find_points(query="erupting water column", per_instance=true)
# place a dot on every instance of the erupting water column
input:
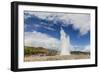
(65, 43)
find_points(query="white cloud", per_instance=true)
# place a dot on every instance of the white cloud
(79, 21)
(86, 49)
(42, 15)
(38, 39)
(27, 16)
(49, 28)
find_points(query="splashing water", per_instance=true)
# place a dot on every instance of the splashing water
(65, 43)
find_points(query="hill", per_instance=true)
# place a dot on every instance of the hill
(39, 51)
(43, 54)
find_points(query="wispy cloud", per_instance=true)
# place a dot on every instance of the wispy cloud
(49, 28)
(38, 39)
(79, 22)
(86, 49)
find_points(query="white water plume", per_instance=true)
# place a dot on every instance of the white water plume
(65, 43)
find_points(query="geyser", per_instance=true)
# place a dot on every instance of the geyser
(65, 45)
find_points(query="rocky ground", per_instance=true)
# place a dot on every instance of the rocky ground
(57, 57)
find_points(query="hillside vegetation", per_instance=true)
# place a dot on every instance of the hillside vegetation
(43, 54)
(39, 50)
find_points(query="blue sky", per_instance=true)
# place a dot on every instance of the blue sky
(77, 26)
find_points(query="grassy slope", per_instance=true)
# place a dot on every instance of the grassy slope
(29, 53)
(39, 50)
